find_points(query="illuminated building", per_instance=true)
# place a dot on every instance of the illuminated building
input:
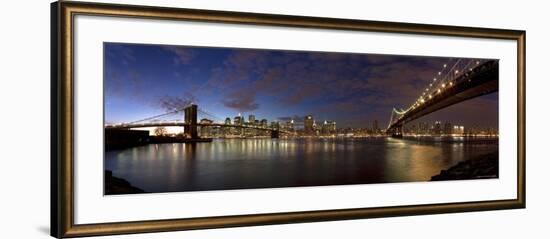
(437, 128)
(206, 131)
(289, 125)
(458, 129)
(447, 128)
(308, 125)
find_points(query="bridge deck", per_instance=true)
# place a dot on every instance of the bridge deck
(481, 81)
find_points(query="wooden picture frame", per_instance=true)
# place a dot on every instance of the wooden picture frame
(62, 118)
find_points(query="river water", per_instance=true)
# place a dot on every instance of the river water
(267, 163)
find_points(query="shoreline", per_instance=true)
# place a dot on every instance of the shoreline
(481, 167)
(115, 185)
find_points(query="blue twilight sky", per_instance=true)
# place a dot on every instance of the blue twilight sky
(351, 89)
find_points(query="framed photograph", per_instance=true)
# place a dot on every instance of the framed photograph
(170, 119)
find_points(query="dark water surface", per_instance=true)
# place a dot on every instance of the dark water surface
(266, 163)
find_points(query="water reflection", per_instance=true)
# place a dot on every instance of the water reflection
(261, 163)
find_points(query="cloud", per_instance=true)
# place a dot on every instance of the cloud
(291, 77)
(340, 85)
(117, 52)
(183, 55)
(242, 101)
(171, 103)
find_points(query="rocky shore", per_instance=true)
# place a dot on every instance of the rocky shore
(485, 166)
(114, 185)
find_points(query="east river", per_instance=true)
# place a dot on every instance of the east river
(267, 163)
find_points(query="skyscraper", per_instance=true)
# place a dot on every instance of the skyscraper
(437, 128)
(308, 124)
(263, 123)
(375, 128)
(448, 128)
(290, 125)
(227, 130)
(237, 120)
(206, 131)
(251, 119)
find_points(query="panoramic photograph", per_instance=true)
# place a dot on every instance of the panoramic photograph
(192, 118)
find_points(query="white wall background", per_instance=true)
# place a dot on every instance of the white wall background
(24, 92)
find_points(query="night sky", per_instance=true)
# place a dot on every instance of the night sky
(351, 89)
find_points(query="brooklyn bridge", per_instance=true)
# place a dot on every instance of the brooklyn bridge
(190, 123)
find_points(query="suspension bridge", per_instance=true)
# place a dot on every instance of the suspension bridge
(189, 123)
(460, 80)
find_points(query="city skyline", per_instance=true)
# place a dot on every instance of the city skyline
(352, 89)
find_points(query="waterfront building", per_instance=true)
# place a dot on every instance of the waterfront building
(290, 125)
(308, 125)
(238, 120)
(458, 129)
(205, 131)
(437, 128)
(447, 128)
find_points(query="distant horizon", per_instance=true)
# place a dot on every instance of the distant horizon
(354, 90)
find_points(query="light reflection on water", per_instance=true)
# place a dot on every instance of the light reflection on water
(265, 163)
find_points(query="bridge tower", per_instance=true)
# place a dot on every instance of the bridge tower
(274, 134)
(190, 118)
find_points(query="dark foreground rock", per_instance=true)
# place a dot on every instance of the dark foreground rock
(485, 166)
(114, 185)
